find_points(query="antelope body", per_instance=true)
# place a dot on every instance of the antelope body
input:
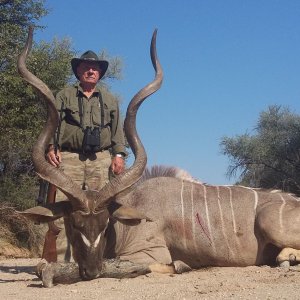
(174, 222)
(204, 225)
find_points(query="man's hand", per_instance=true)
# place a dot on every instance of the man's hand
(117, 165)
(52, 158)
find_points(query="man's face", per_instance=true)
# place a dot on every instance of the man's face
(88, 72)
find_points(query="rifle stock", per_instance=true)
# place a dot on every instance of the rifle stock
(41, 199)
(49, 250)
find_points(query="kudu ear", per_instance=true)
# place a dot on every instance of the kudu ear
(126, 215)
(48, 213)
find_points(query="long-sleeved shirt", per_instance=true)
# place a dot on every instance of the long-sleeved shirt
(71, 129)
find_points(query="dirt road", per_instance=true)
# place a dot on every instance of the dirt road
(18, 281)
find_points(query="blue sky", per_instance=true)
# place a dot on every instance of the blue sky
(224, 62)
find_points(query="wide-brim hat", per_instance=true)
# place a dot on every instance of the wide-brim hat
(89, 56)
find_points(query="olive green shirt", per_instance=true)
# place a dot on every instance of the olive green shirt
(71, 132)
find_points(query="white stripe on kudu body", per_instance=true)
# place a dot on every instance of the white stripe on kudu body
(223, 224)
(256, 199)
(281, 211)
(208, 219)
(182, 213)
(193, 218)
(237, 240)
(255, 195)
(232, 211)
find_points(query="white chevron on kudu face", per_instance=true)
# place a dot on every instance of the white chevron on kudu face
(88, 243)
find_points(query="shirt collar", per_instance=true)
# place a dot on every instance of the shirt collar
(80, 91)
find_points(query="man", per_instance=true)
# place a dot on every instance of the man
(85, 106)
(90, 141)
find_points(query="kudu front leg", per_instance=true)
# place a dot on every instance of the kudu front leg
(288, 256)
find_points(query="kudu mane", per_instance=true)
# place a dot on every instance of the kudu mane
(165, 171)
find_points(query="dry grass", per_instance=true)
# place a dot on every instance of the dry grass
(18, 233)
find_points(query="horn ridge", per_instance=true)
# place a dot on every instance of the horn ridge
(133, 174)
(42, 167)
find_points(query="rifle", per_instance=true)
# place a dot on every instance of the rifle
(41, 199)
(49, 249)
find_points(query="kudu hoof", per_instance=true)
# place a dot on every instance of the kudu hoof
(285, 264)
(181, 267)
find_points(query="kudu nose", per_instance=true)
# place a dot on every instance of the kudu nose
(89, 274)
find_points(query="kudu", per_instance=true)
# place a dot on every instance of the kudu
(87, 213)
(194, 224)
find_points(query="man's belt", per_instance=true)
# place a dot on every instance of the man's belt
(79, 151)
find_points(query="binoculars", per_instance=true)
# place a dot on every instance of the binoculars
(91, 140)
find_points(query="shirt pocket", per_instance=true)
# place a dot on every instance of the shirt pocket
(72, 115)
(96, 116)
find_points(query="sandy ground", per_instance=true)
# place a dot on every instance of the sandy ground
(18, 281)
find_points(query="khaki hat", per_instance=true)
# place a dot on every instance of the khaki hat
(89, 56)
